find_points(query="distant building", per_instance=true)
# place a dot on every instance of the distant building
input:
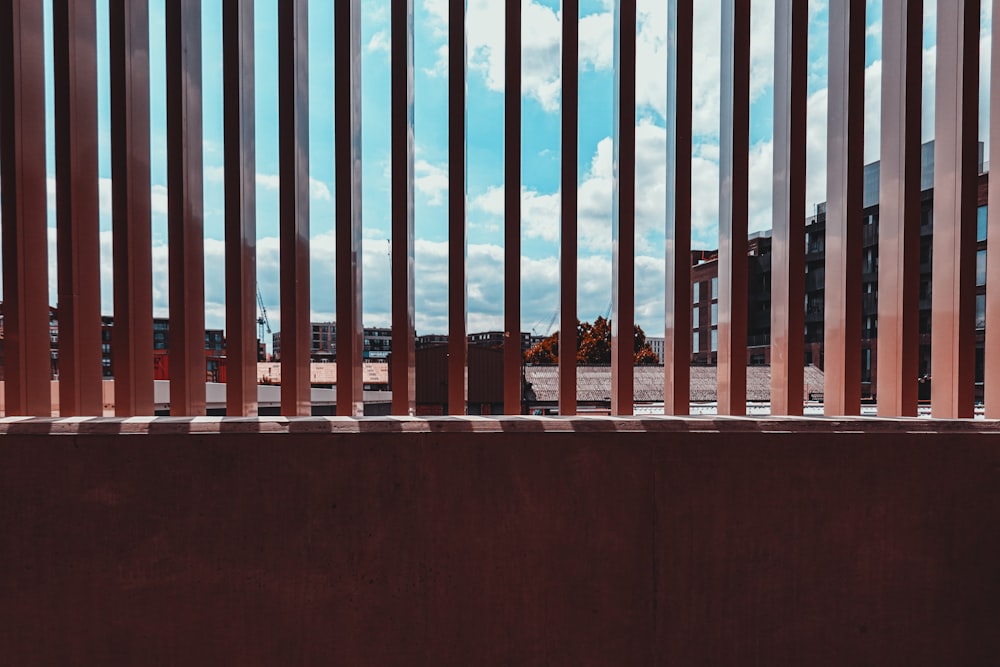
(377, 343)
(705, 271)
(658, 346)
(496, 339)
(430, 340)
(215, 348)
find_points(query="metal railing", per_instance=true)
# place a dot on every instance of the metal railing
(24, 244)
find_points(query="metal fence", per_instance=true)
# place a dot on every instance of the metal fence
(22, 134)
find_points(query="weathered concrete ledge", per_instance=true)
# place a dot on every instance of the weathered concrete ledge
(516, 424)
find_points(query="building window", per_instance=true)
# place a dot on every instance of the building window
(696, 295)
(715, 287)
(980, 311)
(715, 314)
(715, 340)
(696, 315)
(696, 341)
(981, 223)
(981, 267)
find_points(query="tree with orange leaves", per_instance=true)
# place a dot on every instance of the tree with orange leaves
(593, 346)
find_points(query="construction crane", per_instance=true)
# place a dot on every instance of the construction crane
(552, 322)
(262, 323)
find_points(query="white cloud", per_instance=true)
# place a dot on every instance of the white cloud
(158, 200)
(380, 43)
(431, 180)
(539, 282)
(318, 190)
(541, 36)
(540, 213)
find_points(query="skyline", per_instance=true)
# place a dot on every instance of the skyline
(540, 194)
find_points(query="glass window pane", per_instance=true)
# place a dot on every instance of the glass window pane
(981, 267)
(980, 311)
(981, 222)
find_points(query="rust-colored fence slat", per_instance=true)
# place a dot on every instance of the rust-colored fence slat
(241, 203)
(512, 353)
(734, 161)
(293, 129)
(23, 181)
(677, 292)
(74, 31)
(991, 386)
(132, 337)
(404, 383)
(185, 217)
(623, 213)
(347, 117)
(569, 205)
(458, 384)
(791, 73)
(953, 300)
(845, 170)
(899, 209)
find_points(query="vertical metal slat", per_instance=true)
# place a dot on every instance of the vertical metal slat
(845, 169)
(403, 302)
(132, 335)
(623, 213)
(74, 27)
(734, 156)
(185, 224)
(27, 364)
(512, 353)
(568, 192)
(953, 300)
(899, 209)
(677, 292)
(992, 353)
(788, 238)
(241, 203)
(293, 128)
(457, 298)
(347, 116)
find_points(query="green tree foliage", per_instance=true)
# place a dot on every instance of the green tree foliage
(593, 346)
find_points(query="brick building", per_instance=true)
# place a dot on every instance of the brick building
(704, 279)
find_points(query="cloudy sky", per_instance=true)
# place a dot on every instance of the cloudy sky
(540, 193)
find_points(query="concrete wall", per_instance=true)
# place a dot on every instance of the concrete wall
(490, 542)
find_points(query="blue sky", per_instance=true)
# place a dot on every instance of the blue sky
(541, 148)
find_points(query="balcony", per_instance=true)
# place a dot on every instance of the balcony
(620, 539)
